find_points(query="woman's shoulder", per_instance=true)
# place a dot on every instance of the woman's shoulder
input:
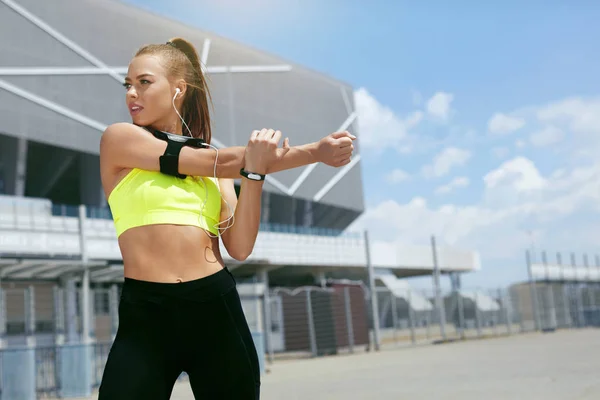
(118, 128)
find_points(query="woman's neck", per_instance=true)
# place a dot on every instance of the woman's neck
(174, 127)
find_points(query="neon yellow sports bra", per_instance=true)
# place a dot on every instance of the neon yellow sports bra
(150, 197)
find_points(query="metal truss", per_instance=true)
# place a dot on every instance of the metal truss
(100, 68)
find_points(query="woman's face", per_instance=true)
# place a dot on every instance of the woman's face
(150, 94)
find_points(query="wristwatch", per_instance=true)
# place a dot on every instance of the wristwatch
(252, 175)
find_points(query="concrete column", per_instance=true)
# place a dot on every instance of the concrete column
(321, 278)
(308, 213)
(71, 307)
(2, 316)
(90, 185)
(59, 315)
(85, 281)
(349, 323)
(264, 278)
(113, 306)
(311, 324)
(266, 207)
(17, 364)
(85, 307)
(13, 153)
(30, 316)
(374, 304)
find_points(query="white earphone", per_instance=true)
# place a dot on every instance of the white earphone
(230, 221)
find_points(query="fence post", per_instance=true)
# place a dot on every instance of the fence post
(597, 290)
(565, 297)
(461, 313)
(506, 306)
(264, 277)
(438, 291)
(349, 325)
(578, 294)
(589, 286)
(533, 290)
(394, 315)
(496, 314)
(374, 304)
(411, 318)
(311, 324)
(477, 314)
(3, 317)
(550, 293)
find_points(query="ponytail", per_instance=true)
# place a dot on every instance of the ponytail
(182, 61)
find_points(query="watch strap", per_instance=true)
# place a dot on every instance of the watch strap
(252, 175)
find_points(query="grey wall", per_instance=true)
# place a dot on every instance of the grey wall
(305, 105)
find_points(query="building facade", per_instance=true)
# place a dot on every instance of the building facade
(60, 85)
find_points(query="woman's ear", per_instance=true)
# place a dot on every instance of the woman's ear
(182, 87)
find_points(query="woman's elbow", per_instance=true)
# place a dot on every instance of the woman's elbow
(239, 254)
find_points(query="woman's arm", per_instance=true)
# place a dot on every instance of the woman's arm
(241, 235)
(239, 238)
(124, 145)
(334, 150)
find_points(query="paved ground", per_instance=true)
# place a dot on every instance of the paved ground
(562, 365)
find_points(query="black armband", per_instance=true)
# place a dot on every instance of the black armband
(169, 161)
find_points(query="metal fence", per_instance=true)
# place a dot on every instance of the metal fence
(480, 313)
(318, 321)
(313, 321)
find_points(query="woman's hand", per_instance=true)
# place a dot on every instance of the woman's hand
(335, 149)
(262, 150)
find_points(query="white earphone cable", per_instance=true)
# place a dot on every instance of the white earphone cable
(231, 218)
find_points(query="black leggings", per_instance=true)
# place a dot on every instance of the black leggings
(168, 328)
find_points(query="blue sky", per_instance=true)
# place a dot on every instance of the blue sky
(479, 120)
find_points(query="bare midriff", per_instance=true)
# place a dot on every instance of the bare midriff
(169, 253)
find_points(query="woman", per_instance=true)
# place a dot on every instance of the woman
(179, 308)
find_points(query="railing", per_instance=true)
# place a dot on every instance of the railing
(65, 210)
(47, 364)
(100, 356)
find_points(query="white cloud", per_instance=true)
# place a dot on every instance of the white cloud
(500, 152)
(580, 115)
(580, 118)
(397, 176)
(456, 183)
(561, 206)
(444, 161)
(439, 105)
(504, 124)
(417, 98)
(520, 174)
(379, 126)
(497, 229)
(548, 136)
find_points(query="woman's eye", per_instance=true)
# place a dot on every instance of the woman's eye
(126, 86)
(144, 81)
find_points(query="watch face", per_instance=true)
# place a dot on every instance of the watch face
(254, 176)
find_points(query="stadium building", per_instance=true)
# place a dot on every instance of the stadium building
(61, 70)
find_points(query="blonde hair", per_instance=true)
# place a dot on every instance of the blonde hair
(181, 61)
